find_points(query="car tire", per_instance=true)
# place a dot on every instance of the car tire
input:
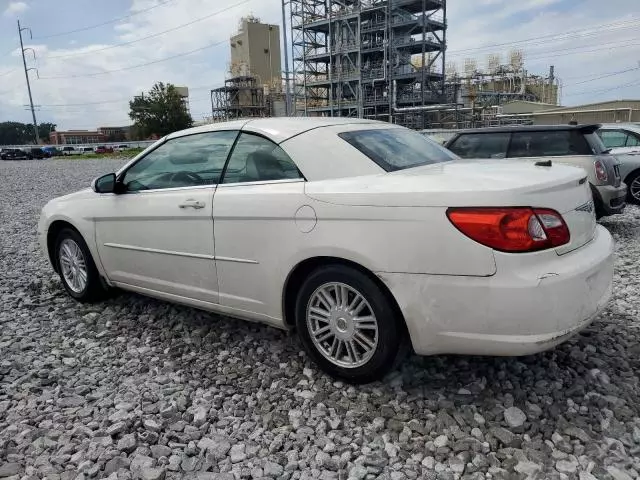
(633, 185)
(76, 268)
(359, 339)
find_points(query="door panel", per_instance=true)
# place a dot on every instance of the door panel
(158, 233)
(160, 240)
(256, 233)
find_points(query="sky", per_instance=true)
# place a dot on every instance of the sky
(84, 49)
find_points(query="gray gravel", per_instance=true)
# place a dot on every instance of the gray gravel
(137, 388)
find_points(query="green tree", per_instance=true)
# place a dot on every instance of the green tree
(44, 129)
(16, 133)
(159, 112)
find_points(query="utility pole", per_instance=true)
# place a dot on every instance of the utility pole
(26, 74)
(287, 100)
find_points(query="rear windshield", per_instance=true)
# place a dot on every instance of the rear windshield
(397, 148)
(550, 143)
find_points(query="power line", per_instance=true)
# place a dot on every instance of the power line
(558, 36)
(114, 20)
(612, 74)
(154, 35)
(574, 77)
(9, 52)
(7, 73)
(552, 55)
(605, 90)
(116, 100)
(105, 72)
(107, 102)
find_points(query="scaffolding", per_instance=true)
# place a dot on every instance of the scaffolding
(240, 97)
(377, 59)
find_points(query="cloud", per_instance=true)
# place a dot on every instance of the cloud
(110, 93)
(15, 8)
(471, 25)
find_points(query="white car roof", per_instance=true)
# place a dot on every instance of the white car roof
(277, 129)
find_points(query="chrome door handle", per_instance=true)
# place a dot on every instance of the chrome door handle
(192, 204)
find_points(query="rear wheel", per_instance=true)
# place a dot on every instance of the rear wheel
(76, 268)
(633, 185)
(347, 324)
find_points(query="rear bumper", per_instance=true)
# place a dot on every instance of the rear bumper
(534, 302)
(611, 200)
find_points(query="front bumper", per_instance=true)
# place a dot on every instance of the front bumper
(534, 302)
(612, 200)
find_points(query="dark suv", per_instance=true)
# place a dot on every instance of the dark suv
(38, 153)
(576, 145)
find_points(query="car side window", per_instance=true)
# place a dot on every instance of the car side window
(632, 140)
(188, 161)
(481, 145)
(255, 158)
(613, 138)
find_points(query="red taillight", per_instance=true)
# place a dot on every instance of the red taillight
(511, 229)
(601, 171)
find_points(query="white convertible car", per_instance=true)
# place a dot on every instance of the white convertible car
(363, 236)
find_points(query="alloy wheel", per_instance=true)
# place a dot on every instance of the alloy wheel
(342, 325)
(73, 265)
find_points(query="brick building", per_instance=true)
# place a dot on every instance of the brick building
(76, 137)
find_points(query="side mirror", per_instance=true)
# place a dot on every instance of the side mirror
(105, 183)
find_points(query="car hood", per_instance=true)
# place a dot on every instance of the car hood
(458, 183)
(75, 196)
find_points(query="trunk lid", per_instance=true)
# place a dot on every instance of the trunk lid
(475, 183)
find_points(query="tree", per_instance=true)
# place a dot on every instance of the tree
(159, 112)
(44, 129)
(16, 133)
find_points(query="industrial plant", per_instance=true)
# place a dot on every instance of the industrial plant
(254, 87)
(376, 59)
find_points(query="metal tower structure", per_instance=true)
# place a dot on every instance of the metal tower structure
(378, 59)
(240, 97)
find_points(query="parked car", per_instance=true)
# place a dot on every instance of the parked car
(121, 148)
(52, 151)
(103, 149)
(623, 139)
(576, 145)
(379, 238)
(38, 153)
(69, 150)
(14, 154)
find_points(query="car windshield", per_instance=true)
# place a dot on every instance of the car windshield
(397, 148)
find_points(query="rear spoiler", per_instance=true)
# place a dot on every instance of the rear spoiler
(589, 128)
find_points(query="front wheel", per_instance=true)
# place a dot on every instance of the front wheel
(633, 185)
(76, 268)
(348, 324)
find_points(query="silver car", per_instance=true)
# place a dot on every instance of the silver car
(623, 139)
(576, 145)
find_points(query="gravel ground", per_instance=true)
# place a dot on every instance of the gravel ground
(138, 388)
